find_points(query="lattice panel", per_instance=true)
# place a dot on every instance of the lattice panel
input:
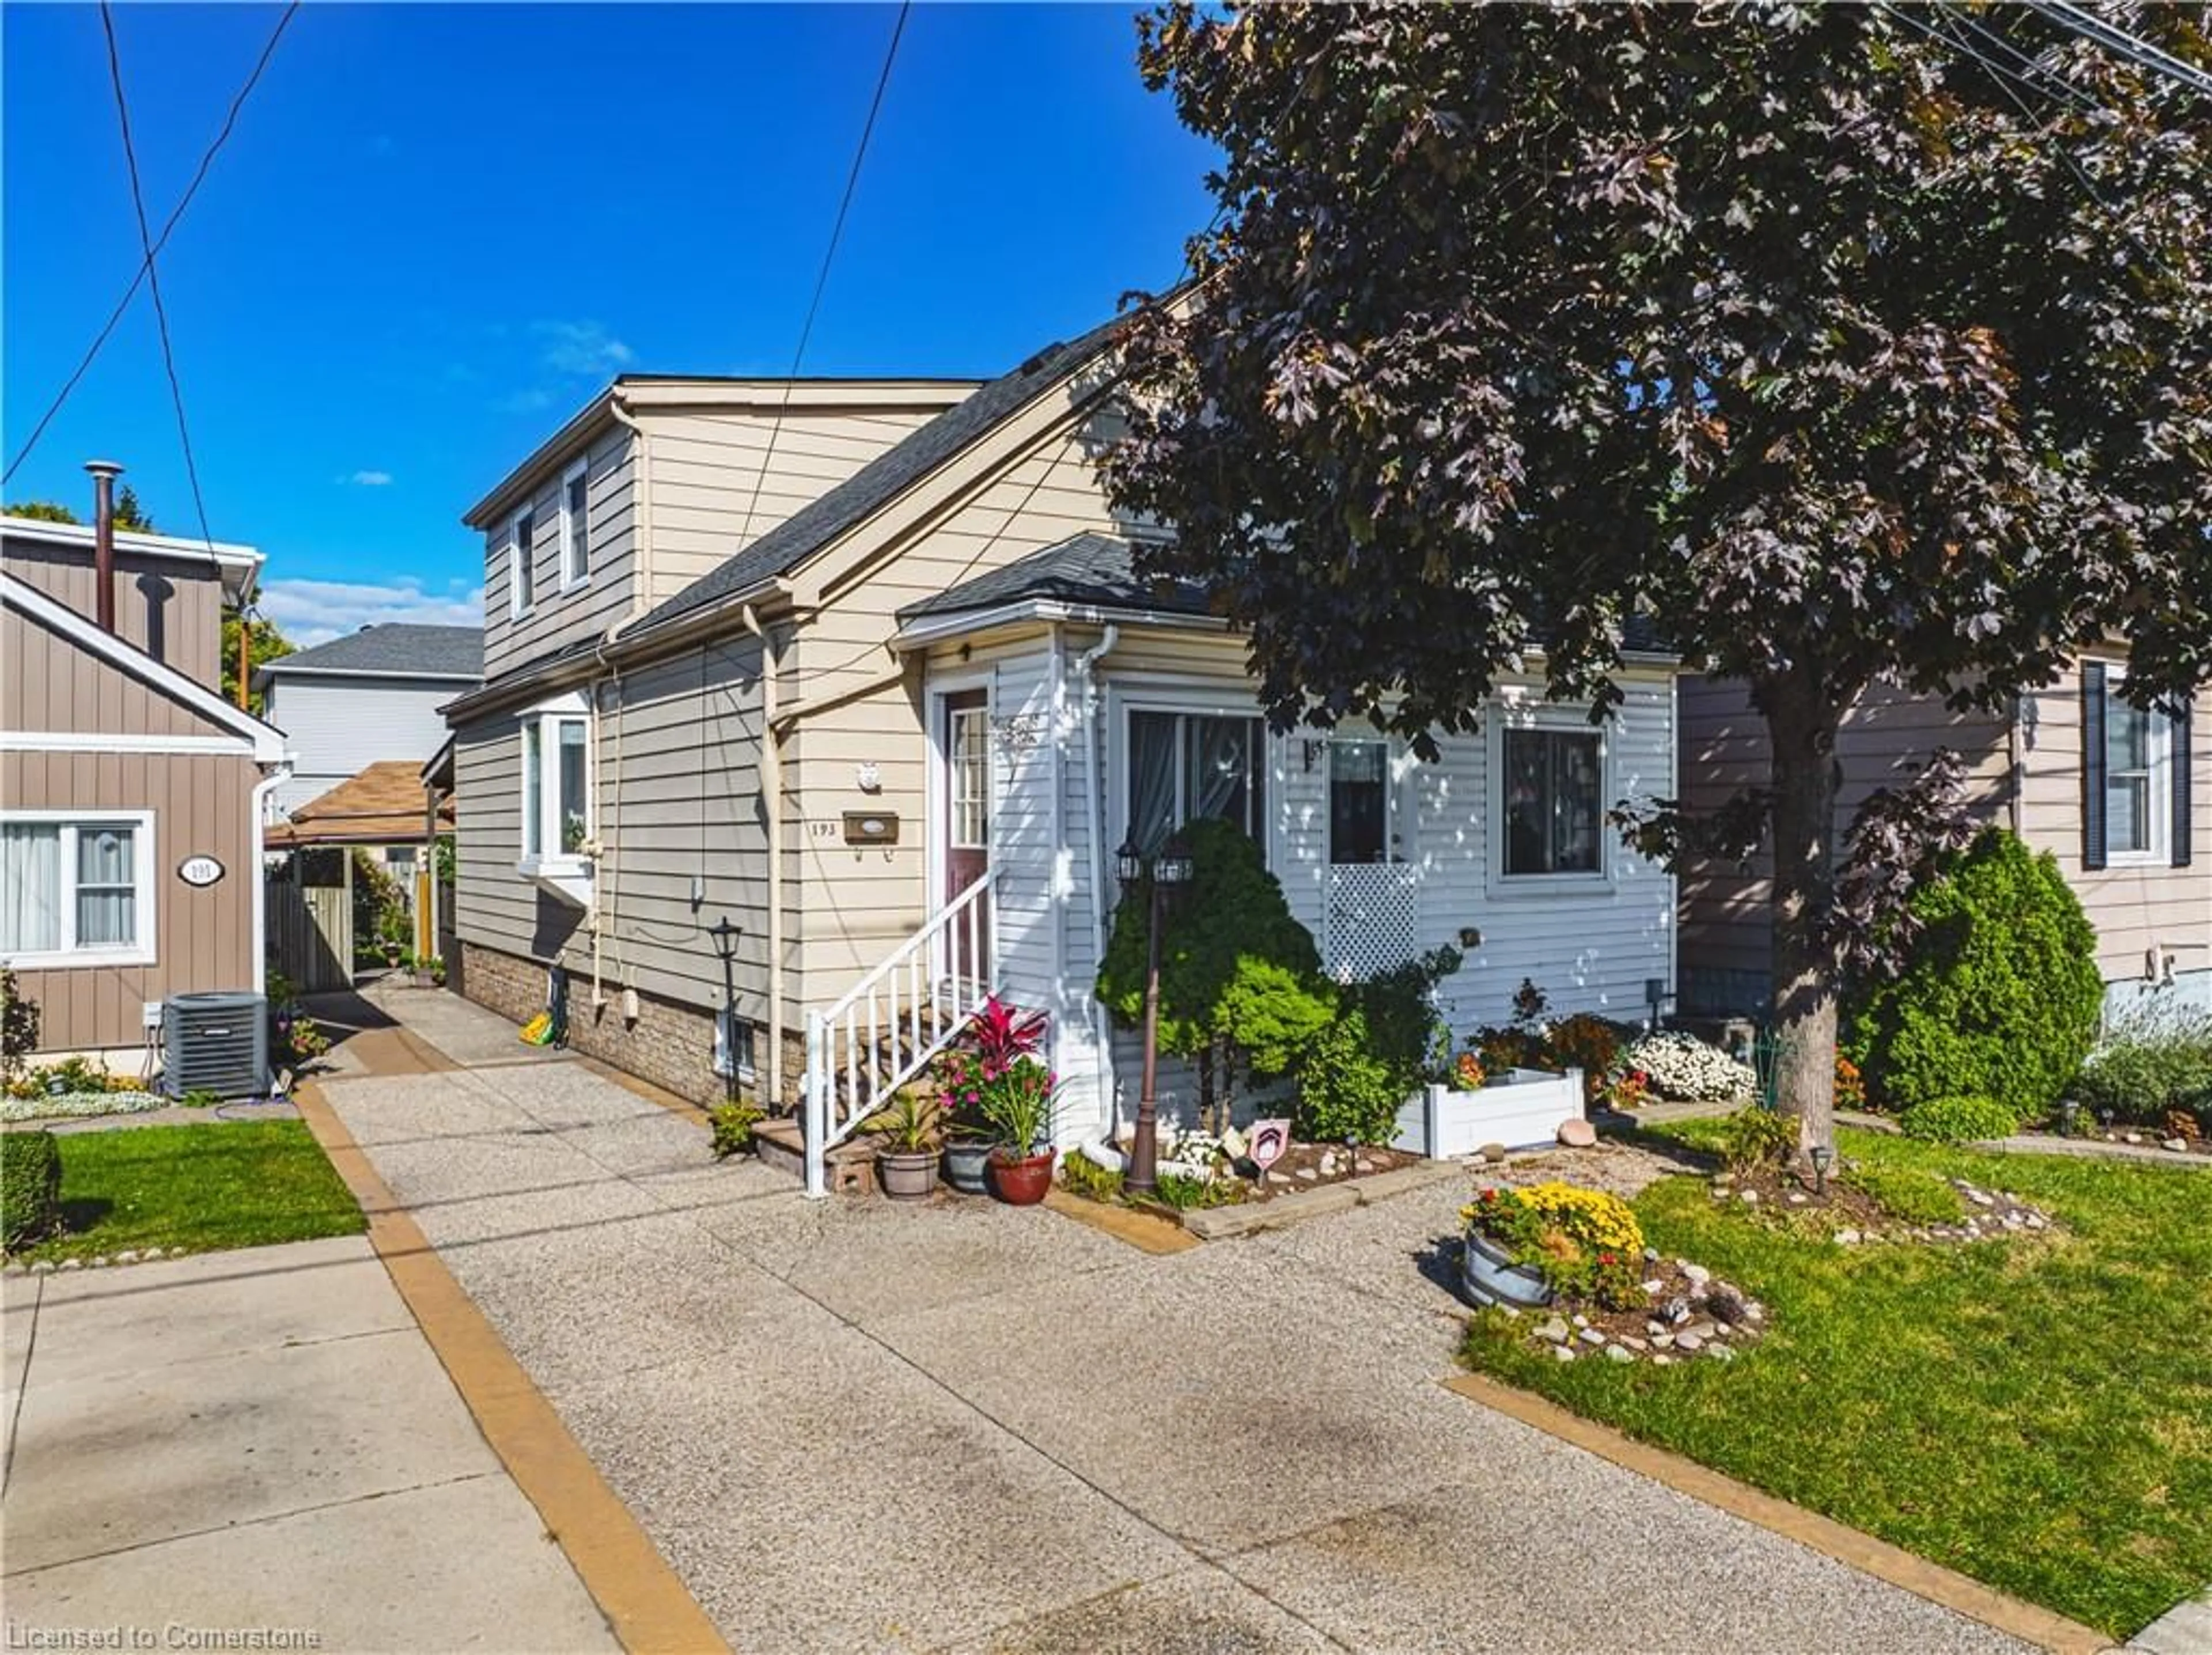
(1373, 919)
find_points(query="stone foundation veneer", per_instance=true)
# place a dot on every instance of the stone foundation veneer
(671, 1044)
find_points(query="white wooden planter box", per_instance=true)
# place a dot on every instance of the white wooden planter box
(1521, 1110)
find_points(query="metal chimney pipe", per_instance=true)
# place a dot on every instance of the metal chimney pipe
(104, 473)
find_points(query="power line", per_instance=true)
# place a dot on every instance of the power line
(2141, 53)
(146, 263)
(829, 255)
(153, 275)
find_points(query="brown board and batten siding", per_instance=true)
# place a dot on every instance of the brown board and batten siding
(48, 683)
(2134, 906)
(202, 806)
(857, 905)
(168, 606)
(1726, 936)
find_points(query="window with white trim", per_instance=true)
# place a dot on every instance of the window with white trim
(1553, 805)
(521, 577)
(77, 893)
(556, 795)
(1192, 767)
(575, 526)
(2136, 776)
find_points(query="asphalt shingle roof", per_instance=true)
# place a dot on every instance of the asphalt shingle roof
(1092, 569)
(439, 651)
(784, 547)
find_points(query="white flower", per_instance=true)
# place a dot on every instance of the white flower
(1683, 1067)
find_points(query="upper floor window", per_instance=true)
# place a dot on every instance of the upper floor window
(575, 526)
(1553, 805)
(77, 893)
(521, 577)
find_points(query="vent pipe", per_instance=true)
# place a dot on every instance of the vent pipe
(104, 473)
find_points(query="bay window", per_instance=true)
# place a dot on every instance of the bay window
(557, 802)
(1193, 767)
(76, 891)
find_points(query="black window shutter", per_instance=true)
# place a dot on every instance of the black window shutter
(2093, 764)
(2181, 771)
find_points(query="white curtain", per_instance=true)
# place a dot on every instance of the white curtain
(1220, 769)
(30, 887)
(1151, 780)
(106, 887)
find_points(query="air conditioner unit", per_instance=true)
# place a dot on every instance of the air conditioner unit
(215, 1043)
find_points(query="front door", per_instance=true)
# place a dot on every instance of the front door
(1374, 883)
(965, 740)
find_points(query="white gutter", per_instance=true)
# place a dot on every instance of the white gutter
(279, 773)
(933, 629)
(1092, 701)
(772, 790)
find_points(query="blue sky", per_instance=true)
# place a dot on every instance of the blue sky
(438, 229)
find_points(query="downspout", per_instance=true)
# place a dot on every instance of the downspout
(276, 778)
(1092, 700)
(2015, 767)
(602, 916)
(642, 596)
(772, 786)
(1057, 693)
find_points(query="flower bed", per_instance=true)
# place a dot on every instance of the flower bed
(1519, 1109)
(78, 1105)
(1200, 1169)
(1861, 1204)
(1682, 1068)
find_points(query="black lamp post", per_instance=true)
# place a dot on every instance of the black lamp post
(726, 933)
(1169, 871)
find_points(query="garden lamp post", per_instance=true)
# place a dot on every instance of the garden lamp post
(1169, 871)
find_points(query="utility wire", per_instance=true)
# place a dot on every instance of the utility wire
(146, 263)
(153, 275)
(828, 256)
(2113, 38)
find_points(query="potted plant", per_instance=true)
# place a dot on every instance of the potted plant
(1524, 1245)
(906, 1164)
(995, 1036)
(1016, 1100)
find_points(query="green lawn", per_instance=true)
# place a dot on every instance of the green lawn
(2035, 1414)
(237, 1184)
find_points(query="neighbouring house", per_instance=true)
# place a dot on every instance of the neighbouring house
(828, 701)
(387, 810)
(370, 697)
(2121, 797)
(131, 792)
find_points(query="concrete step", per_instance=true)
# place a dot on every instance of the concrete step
(781, 1142)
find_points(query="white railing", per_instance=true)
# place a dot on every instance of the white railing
(894, 1020)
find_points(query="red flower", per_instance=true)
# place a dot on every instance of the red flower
(1607, 1258)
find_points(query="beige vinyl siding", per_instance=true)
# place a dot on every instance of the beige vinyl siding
(678, 755)
(856, 906)
(51, 684)
(706, 466)
(1727, 942)
(202, 806)
(557, 618)
(168, 607)
(2133, 906)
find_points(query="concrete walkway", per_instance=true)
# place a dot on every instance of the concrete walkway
(261, 1440)
(852, 1426)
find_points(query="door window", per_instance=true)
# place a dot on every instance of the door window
(969, 762)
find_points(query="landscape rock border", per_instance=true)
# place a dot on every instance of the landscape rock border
(1689, 1311)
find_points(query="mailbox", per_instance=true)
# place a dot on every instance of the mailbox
(872, 827)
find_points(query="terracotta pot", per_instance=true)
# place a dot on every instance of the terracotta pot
(964, 1159)
(1020, 1181)
(907, 1175)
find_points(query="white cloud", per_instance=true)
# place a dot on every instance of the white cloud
(315, 612)
(370, 480)
(585, 348)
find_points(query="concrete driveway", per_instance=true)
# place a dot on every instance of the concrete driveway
(260, 1441)
(851, 1425)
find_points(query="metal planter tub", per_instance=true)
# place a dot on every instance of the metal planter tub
(963, 1165)
(1488, 1275)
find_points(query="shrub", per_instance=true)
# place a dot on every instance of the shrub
(1912, 1194)
(1347, 1091)
(1180, 1191)
(733, 1125)
(30, 1186)
(1587, 1042)
(19, 1025)
(2000, 996)
(2157, 1060)
(1755, 1139)
(1081, 1176)
(1586, 1243)
(1964, 1119)
(1688, 1070)
(1850, 1085)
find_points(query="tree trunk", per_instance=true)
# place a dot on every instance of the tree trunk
(1802, 723)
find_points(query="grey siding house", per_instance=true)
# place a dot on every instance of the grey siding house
(369, 698)
(2122, 798)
